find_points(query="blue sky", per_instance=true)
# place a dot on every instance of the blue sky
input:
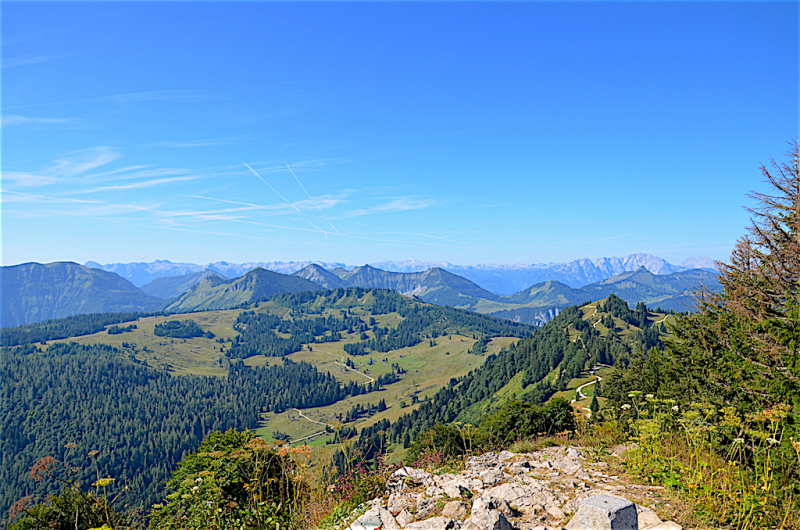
(520, 132)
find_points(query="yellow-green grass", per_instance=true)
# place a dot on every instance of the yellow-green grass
(429, 368)
(569, 395)
(198, 356)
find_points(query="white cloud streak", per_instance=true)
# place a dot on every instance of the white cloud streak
(16, 119)
(138, 185)
(397, 205)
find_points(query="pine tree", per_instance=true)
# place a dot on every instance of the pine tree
(742, 346)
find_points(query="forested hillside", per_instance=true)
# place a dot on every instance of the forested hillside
(606, 332)
(114, 393)
(74, 399)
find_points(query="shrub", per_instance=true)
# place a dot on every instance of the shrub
(234, 480)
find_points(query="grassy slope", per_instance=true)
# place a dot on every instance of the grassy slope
(428, 367)
(513, 389)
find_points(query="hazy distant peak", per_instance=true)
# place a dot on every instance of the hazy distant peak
(699, 262)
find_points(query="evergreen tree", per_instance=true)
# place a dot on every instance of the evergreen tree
(742, 347)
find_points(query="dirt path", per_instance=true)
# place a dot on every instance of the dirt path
(579, 391)
(371, 379)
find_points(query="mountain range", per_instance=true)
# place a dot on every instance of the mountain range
(33, 292)
(500, 279)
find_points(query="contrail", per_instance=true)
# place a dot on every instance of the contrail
(309, 196)
(301, 184)
(318, 228)
(270, 186)
(337, 231)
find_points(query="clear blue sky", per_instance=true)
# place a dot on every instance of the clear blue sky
(520, 132)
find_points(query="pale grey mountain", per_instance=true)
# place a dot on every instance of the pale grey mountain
(140, 273)
(499, 279)
(410, 265)
(509, 279)
(234, 270)
(536, 304)
(700, 262)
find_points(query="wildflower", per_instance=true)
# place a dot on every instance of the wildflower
(649, 396)
(625, 406)
(675, 408)
(738, 440)
(773, 441)
(103, 482)
(634, 393)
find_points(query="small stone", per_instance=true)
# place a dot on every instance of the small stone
(491, 476)
(455, 510)
(404, 518)
(647, 518)
(370, 520)
(426, 507)
(604, 512)
(388, 520)
(555, 512)
(431, 491)
(486, 520)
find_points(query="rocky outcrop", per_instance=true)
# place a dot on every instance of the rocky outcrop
(552, 489)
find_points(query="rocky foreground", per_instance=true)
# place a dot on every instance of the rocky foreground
(551, 489)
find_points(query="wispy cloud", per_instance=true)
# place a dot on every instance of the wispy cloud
(397, 205)
(325, 201)
(138, 185)
(16, 196)
(24, 179)
(16, 119)
(79, 162)
(31, 58)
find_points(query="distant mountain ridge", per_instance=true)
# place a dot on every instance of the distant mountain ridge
(540, 302)
(499, 279)
(215, 292)
(143, 273)
(509, 279)
(535, 305)
(33, 292)
(435, 286)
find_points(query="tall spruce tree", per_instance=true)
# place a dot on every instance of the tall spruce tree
(742, 346)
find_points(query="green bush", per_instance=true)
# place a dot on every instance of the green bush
(234, 480)
(519, 420)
